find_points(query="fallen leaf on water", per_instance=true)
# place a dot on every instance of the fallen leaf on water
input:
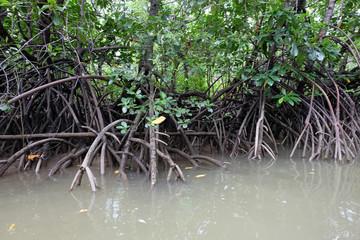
(201, 175)
(11, 227)
(142, 221)
(117, 171)
(83, 210)
(188, 168)
(158, 120)
(31, 157)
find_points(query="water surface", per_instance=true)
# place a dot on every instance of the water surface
(286, 199)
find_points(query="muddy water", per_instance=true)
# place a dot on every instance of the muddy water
(287, 199)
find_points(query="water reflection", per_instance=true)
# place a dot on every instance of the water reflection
(286, 199)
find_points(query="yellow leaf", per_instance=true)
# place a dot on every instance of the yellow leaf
(348, 80)
(201, 175)
(188, 168)
(158, 120)
(31, 157)
(117, 171)
(83, 210)
(11, 227)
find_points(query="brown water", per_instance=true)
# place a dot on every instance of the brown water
(289, 199)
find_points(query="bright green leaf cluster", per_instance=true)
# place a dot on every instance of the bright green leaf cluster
(289, 97)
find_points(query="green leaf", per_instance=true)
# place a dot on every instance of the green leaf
(270, 82)
(5, 108)
(282, 71)
(257, 77)
(124, 109)
(177, 47)
(275, 78)
(312, 55)
(277, 96)
(300, 58)
(274, 70)
(319, 56)
(296, 99)
(162, 95)
(294, 50)
(44, 7)
(128, 25)
(82, 36)
(4, 3)
(56, 19)
(280, 101)
(259, 83)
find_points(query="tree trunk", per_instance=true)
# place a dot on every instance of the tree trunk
(328, 15)
(145, 65)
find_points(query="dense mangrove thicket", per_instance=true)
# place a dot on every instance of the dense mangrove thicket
(136, 83)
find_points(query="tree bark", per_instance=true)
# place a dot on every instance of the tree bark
(328, 15)
(145, 65)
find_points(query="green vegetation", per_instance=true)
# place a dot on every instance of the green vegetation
(238, 76)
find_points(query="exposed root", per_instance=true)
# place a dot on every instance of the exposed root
(89, 155)
(18, 154)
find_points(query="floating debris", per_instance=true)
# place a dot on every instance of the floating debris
(142, 221)
(83, 211)
(11, 227)
(201, 175)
